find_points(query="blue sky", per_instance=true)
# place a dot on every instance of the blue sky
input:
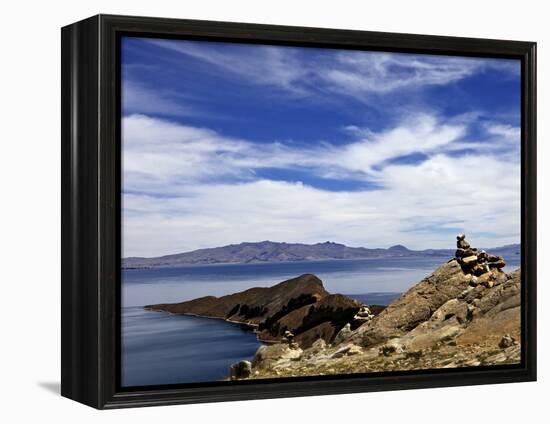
(224, 143)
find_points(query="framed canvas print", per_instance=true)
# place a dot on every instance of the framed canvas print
(253, 211)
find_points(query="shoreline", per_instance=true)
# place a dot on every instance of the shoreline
(190, 314)
(196, 265)
(250, 327)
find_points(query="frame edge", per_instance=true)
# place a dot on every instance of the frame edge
(88, 157)
(80, 375)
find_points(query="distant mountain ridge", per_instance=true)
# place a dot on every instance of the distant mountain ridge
(269, 251)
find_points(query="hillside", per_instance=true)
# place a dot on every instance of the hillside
(268, 251)
(300, 305)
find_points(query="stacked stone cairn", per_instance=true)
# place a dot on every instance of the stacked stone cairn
(485, 268)
(363, 315)
(288, 338)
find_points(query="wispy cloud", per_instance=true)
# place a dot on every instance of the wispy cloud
(137, 98)
(381, 73)
(354, 74)
(274, 66)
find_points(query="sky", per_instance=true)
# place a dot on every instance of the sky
(224, 143)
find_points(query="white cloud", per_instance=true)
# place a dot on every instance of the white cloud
(178, 195)
(419, 134)
(508, 132)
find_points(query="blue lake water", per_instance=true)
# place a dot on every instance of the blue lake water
(159, 348)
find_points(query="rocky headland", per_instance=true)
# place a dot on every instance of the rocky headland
(299, 310)
(466, 313)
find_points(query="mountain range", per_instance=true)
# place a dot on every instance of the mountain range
(269, 251)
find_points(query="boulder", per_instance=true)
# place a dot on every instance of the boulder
(268, 355)
(461, 242)
(343, 334)
(241, 369)
(480, 269)
(460, 253)
(482, 256)
(507, 341)
(499, 264)
(463, 253)
(391, 348)
(348, 350)
(318, 346)
(469, 261)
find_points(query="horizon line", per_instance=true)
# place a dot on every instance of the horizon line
(310, 244)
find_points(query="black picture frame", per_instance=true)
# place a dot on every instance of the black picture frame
(91, 181)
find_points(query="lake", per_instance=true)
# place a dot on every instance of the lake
(159, 348)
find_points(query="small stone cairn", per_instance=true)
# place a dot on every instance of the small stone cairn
(288, 338)
(363, 315)
(479, 263)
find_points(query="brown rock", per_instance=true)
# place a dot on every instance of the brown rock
(268, 355)
(497, 264)
(348, 350)
(480, 269)
(415, 306)
(469, 261)
(240, 370)
(461, 242)
(506, 341)
(485, 278)
(460, 253)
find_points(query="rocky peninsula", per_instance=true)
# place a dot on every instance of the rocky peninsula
(300, 306)
(466, 313)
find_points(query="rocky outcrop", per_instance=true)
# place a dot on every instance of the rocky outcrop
(420, 303)
(456, 317)
(298, 310)
(414, 306)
